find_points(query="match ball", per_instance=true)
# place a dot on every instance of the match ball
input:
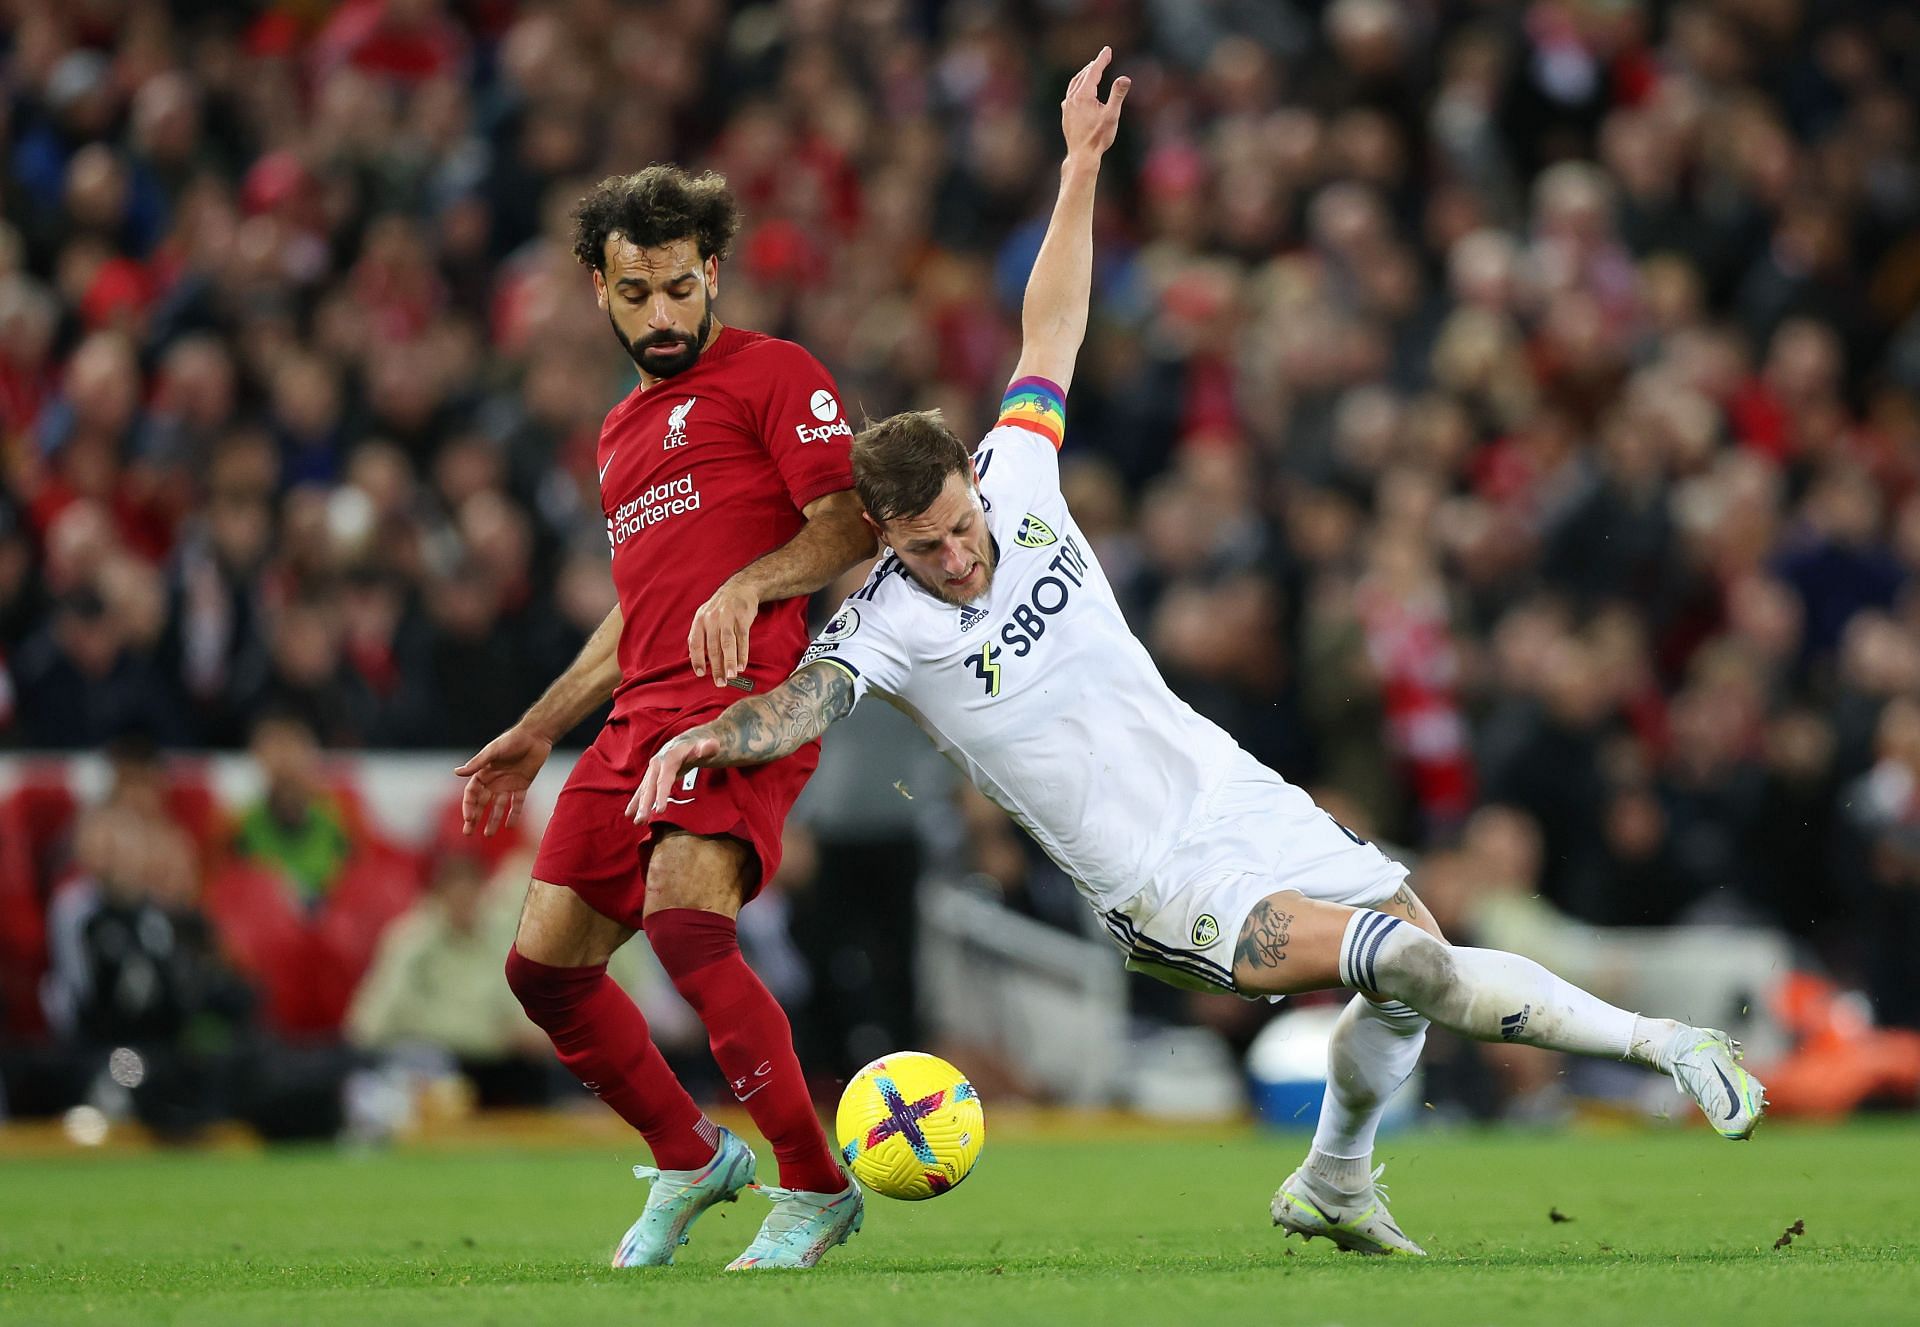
(910, 1125)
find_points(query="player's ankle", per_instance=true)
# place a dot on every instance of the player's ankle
(812, 1175)
(1653, 1042)
(1347, 1175)
(719, 1145)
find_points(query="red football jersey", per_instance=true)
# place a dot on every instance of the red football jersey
(700, 476)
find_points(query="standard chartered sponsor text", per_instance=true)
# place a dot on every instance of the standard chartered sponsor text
(670, 497)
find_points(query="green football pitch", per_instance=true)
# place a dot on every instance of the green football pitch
(1667, 1227)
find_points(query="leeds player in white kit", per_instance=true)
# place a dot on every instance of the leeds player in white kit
(989, 622)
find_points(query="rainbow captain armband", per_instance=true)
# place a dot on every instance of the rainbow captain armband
(1036, 405)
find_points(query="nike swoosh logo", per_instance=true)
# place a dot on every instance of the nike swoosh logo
(1733, 1098)
(761, 1088)
(603, 469)
(679, 801)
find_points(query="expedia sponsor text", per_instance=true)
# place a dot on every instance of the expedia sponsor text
(820, 433)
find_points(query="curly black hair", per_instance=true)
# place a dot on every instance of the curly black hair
(659, 205)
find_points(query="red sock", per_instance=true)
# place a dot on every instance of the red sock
(751, 1039)
(602, 1038)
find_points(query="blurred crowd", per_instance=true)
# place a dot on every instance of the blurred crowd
(1508, 403)
(176, 952)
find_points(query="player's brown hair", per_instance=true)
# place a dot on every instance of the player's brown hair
(901, 463)
(653, 207)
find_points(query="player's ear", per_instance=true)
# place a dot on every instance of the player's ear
(712, 266)
(600, 289)
(879, 533)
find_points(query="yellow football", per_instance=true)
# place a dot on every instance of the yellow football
(910, 1125)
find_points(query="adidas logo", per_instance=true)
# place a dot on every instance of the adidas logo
(1514, 1024)
(971, 617)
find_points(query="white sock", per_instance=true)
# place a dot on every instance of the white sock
(1653, 1042)
(1488, 994)
(1374, 1048)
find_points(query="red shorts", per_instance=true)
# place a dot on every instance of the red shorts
(592, 848)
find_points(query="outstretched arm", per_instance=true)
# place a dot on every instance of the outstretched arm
(500, 774)
(1053, 320)
(748, 732)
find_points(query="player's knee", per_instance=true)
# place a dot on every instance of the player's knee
(1412, 965)
(708, 874)
(549, 993)
(1385, 955)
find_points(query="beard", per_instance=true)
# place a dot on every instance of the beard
(663, 354)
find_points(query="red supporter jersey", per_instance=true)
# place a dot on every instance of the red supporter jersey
(699, 476)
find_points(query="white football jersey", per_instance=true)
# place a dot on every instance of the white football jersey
(1039, 692)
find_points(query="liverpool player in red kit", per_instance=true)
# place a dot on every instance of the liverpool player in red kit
(726, 482)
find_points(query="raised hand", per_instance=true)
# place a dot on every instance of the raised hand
(1089, 123)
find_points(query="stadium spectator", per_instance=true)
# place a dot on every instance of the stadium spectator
(434, 987)
(137, 971)
(84, 679)
(295, 827)
(137, 963)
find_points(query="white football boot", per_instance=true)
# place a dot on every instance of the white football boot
(1706, 1065)
(1356, 1223)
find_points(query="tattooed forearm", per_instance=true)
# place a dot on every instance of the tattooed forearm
(1264, 937)
(752, 732)
(1403, 901)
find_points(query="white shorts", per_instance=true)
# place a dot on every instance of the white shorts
(1256, 836)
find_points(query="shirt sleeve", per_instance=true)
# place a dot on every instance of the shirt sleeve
(802, 424)
(859, 642)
